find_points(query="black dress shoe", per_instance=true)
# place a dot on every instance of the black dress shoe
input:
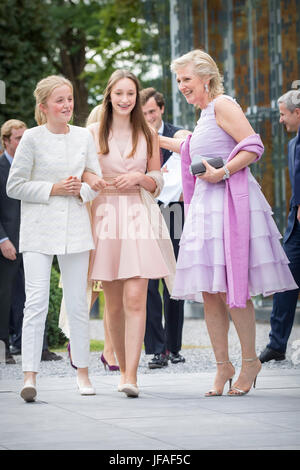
(158, 361)
(9, 359)
(15, 351)
(269, 354)
(175, 358)
(50, 356)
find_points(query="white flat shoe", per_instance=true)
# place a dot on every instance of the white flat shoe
(85, 390)
(131, 390)
(28, 393)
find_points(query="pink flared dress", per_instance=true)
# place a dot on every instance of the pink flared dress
(125, 245)
(201, 259)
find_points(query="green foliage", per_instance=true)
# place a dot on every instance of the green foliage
(96, 345)
(55, 336)
(26, 44)
(84, 40)
(77, 28)
(122, 40)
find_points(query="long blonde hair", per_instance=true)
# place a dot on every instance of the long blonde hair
(204, 66)
(137, 118)
(42, 92)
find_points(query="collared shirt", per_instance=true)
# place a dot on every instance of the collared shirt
(9, 157)
(161, 129)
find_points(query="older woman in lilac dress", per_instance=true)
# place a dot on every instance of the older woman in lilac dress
(230, 249)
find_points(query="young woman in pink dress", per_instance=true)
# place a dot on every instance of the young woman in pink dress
(127, 252)
(229, 249)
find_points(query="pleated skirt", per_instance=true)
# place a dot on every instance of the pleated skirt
(201, 260)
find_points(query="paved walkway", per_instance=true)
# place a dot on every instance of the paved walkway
(170, 414)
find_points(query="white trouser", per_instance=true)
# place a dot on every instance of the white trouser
(74, 269)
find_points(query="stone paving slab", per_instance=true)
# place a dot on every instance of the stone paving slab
(170, 414)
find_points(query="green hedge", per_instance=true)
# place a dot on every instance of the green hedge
(56, 337)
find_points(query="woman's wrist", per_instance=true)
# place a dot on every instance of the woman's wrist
(226, 175)
(53, 191)
(139, 178)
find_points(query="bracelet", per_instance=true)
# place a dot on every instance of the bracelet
(227, 173)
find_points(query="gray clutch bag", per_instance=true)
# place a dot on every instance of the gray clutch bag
(197, 167)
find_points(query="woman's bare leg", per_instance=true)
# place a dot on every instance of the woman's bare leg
(126, 318)
(244, 322)
(113, 293)
(135, 297)
(217, 322)
(108, 351)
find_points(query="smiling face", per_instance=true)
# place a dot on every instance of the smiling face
(291, 119)
(192, 85)
(153, 113)
(123, 96)
(59, 106)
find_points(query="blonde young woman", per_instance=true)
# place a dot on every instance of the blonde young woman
(128, 250)
(46, 176)
(230, 249)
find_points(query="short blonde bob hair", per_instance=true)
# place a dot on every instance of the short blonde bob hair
(7, 128)
(204, 66)
(42, 92)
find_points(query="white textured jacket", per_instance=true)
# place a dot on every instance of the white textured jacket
(53, 224)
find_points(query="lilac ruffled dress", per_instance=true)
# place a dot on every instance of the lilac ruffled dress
(201, 259)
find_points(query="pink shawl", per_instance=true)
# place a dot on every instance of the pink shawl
(236, 218)
(188, 180)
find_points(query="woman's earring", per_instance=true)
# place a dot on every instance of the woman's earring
(206, 88)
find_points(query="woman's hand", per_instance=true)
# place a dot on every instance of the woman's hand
(128, 180)
(94, 181)
(211, 175)
(67, 187)
(98, 184)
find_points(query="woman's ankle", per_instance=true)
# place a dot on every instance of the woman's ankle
(110, 356)
(30, 377)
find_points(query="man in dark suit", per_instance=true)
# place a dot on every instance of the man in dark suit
(10, 259)
(284, 303)
(163, 342)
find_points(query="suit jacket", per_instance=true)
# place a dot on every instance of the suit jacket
(294, 170)
(9, 208)
(169, 131)
(58, 224)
